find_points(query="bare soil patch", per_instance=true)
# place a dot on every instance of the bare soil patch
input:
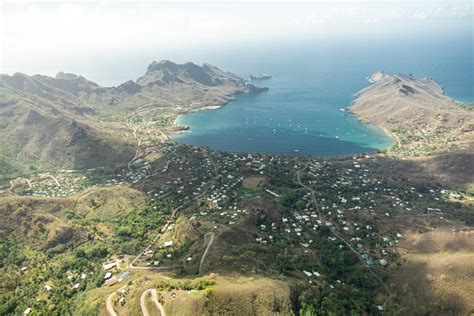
(252, 182)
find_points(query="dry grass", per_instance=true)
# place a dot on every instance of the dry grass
(234, 296)
(153, 156)
(438, 274)
(109, 201)
(252, 182)
(228, 296)
(441, 240)
(41, 221)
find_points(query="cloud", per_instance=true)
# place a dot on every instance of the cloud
(44, 32)
(370, 12)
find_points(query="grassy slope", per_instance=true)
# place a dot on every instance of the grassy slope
(436, 277)
(42, 219)
(58, 237)
(224, 296)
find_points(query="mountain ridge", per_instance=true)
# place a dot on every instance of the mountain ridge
(422, 119)
(82, 118)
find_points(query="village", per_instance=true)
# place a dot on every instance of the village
(353, 199)
(422, 140)
(333, 205)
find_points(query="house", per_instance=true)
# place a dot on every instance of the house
(308, 274)
(123, 276)
(27, 311)
(107, 275)
(109, 266)
(111, 281)
(168, 244)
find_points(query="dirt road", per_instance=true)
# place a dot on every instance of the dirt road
(154, 298)
(208, 239)
(109, 303)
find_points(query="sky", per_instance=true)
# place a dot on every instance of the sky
(47, 36)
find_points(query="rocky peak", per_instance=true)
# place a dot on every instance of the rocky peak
(377, 76)
(129, 87)
(166, 72)
(160, 66)
(67, 76)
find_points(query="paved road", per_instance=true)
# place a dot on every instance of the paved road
(154, 298)
(109, 303)
(208, 239)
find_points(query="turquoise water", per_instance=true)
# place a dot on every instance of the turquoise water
(314, 79)
(283, 121)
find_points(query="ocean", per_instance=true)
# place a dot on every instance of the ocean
(312, 80)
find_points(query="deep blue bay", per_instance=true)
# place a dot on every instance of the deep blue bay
(312, 81)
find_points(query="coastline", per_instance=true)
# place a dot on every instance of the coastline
(207, 107)
(181, 128)
(392, 135)
(187, 128)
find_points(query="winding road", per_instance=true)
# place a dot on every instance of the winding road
(110, 304)
(208, 239)
(165, 227)
(154, 298)
(137, 152)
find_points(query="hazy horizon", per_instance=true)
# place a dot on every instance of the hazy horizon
(78, 36)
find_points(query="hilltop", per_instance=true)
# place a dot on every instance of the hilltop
(433, 135)
(73, 123)
(402, 97)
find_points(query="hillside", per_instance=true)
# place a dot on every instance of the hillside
(188, 229)
(72, 123)
(416, 112)
(440, 265)
(404, 97)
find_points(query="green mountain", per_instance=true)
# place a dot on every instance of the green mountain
(72, 123)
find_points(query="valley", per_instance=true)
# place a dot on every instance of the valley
(140, 224)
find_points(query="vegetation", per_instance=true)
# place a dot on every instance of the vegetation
(289, 234)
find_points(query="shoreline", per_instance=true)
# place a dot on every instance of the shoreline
(205, 108)
(187, 129)
(393, 136)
